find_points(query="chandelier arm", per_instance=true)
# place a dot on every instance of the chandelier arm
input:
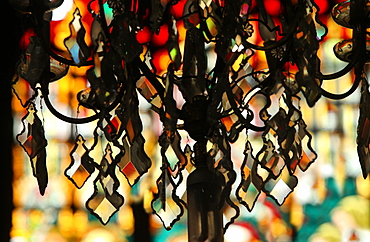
(255, 128)
(357, 60)
(101, 114)
(67, 119)
(340, 73)
(343, 95)
(40, 26)
(357, 49)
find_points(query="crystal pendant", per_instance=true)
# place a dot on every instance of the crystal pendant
(81, 166)
(251, 183)
(105, 201)
(32, 139)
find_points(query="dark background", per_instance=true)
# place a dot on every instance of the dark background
(10, 35)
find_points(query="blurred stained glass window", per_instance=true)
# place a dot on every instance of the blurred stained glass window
(331, 202)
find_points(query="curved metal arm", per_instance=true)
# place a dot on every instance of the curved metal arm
(340, 73)
(348, 67)
(357, 60)
(358, 36)
(101, 114)
(67, 119)
(255, 128)
(343, 95)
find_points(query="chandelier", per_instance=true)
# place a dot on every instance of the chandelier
(219, 100)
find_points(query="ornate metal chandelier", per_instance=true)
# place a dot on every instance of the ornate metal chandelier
(220, 102)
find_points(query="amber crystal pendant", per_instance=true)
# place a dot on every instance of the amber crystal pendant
(82, 166)
(105, 201)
